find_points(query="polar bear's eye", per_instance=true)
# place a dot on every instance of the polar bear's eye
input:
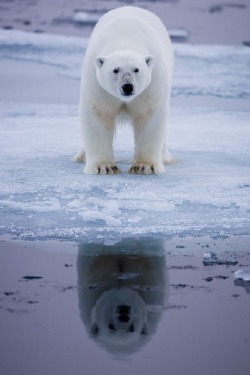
(116, 71)
(136, 70)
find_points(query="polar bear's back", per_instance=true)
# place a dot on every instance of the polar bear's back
(128, 25)
(140, 15)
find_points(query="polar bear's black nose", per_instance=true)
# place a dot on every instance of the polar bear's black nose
(124, 313)
(128, 89)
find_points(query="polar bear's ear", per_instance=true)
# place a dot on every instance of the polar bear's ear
(99, 61)
(149, 61)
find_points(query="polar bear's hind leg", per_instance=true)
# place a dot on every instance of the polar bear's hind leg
(167, 157)
(80, 157)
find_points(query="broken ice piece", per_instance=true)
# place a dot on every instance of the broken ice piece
(243, 274)
(29, 277)
(211, 259)
(179, 35)
(209, 255)
(86, 18)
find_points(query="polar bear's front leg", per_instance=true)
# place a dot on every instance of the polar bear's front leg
(150, 138)
(98, 140)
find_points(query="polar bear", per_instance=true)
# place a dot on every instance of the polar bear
(127, 70)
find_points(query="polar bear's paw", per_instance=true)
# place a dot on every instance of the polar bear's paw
(103, 169)
(143, 168)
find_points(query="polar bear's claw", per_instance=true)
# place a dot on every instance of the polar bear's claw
(144, 169)
(115, 169)
(108, 169)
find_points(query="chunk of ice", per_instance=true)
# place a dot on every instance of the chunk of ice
(179, 35)
(242, 274)
(86, 18)
(211, 259)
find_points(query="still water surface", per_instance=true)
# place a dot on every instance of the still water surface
(139, 306)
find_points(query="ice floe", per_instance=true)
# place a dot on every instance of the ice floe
(44, 194)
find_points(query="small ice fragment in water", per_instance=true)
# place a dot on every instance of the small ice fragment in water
(29, 277)
(208, 256)
(86, 18)
(211, 258)
(243, 274)
(179, 35)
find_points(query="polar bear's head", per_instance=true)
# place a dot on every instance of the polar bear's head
(124, 74)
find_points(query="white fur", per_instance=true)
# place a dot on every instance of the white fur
(129, 46)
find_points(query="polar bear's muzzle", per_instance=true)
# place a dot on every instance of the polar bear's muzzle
(128, 89)
(123, 313)
(127, 84)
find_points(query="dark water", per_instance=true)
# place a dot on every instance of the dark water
(206, 21)
(139, 306)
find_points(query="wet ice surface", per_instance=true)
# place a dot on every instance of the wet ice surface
(138, 306)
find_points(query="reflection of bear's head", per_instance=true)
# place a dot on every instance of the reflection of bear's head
(119, 317)
(124, 74)
(122, 292)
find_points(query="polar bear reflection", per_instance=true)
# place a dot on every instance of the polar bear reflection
(122, 292)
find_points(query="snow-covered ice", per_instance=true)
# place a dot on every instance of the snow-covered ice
(44, 194)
